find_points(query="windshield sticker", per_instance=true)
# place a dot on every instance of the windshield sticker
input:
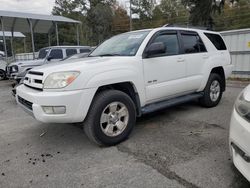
(135, 36)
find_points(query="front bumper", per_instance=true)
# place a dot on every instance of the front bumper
(239, 138)
(11, 75)
(76, 102)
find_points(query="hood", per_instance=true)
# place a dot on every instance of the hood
(28, 62)
(97, 69)
(82, 64)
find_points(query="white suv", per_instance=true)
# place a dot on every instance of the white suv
(126, 76)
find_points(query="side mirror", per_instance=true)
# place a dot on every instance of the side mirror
(155, 49)
(49, 58)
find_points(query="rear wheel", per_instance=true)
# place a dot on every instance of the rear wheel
(213, 91)
(111, 118)
(2, 75)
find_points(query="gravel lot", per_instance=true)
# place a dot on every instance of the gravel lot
(184, 146)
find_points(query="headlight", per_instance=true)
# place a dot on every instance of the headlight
(60, 79)
(242, 106)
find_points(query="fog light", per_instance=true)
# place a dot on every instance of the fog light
(59, 109)
(54, 109)
(48, 109)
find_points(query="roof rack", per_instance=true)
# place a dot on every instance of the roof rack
(187, 26)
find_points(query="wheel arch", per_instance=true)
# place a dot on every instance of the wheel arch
(220, 71)
(128, 88)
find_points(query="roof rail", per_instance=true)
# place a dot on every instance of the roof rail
(187, 26)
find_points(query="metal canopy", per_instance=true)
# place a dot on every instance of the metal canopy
(33, 23)
(15, 34)
(17, 21)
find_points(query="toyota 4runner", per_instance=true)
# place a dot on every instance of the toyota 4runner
(126, 76)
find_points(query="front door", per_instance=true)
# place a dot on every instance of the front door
(164, 73)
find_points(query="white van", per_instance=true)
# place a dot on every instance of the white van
(45, 55)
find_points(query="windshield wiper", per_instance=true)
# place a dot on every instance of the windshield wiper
(103, 55)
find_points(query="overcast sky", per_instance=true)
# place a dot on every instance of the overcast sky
(31, 6)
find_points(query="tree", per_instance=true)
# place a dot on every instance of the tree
(234, 16)
(99, 20)
(142, 8)
(201, 12)
(172, 12)
(70, 9)
(120, 20)
(96, 17)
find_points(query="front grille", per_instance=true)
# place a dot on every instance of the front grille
(36, 88)
(38, 81)
(35, 73)
(13, 69)
(25, 103)
(34, 80)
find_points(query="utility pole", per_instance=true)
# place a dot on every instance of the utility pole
(130, 15)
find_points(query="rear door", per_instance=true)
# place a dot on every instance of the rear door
(195, 55)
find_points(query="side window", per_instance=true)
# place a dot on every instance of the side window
(171, 42)
(217, 41)
(70, 52)
(86, 50)
(192, 43)
(56, 54)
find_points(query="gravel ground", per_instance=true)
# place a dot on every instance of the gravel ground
(184, 146)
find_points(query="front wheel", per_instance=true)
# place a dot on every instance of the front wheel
(111, 118)
(212, 92)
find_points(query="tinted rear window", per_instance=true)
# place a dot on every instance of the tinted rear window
(82, 50)
(56, 54)
(217, 41)
(70, 52)
(192, 43)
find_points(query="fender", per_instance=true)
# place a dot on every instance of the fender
(118, 76)
(213, 62)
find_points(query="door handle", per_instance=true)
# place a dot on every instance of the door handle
(205, 56)
(180, 60)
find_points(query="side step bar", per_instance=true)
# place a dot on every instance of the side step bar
(170, 102)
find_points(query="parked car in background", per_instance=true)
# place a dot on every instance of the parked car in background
(45, 55)
(3, 65)
(239, 135)
(126, 76)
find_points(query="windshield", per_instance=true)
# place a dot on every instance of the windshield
(125, 44)
(43, 53)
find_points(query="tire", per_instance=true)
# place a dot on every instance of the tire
(2, 74)
(212, 95)
(104, 129)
